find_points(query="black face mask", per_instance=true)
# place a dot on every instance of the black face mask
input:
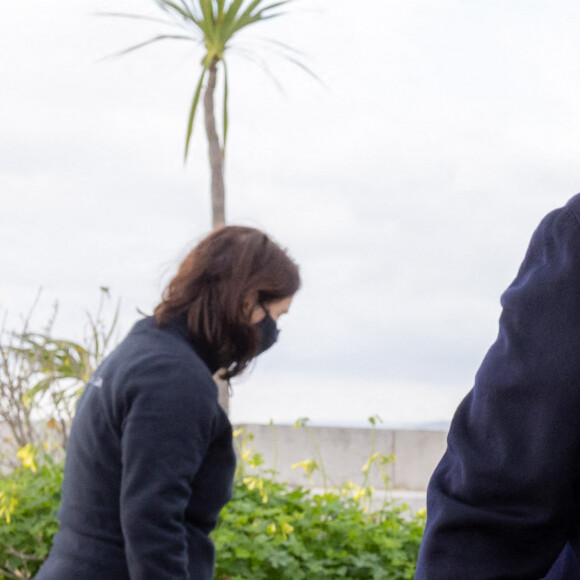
(268, 332)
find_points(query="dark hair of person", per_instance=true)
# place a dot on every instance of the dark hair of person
(212, 287)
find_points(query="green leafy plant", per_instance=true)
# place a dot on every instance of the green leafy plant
(270, 530)
(29, 499)
(42, 376)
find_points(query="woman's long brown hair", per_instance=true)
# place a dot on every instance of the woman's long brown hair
(213, 285)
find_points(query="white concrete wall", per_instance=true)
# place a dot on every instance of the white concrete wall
(344, 451)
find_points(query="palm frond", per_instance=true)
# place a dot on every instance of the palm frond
(209, 19)
(275, 5)
(281, 45)
(172, 8)
(229, 18)
(148, 42)
(192, 111)
(261, 63)
(288, 53)
(304, 68)
(250, 17)
(233, 11)
(193, 8)
(203, 24)
(221, 8)
(135, 17)
(245, 16)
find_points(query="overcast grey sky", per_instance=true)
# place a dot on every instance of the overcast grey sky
(407, 188)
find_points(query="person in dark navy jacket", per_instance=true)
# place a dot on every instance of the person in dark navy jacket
(504, 502)
(150, 461)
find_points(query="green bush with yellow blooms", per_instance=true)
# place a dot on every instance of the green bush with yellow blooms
(270, 530)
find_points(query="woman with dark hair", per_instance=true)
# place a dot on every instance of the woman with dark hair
(150, 461)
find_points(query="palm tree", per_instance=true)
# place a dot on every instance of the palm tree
(213, 24)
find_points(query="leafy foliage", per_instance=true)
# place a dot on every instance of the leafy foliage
(294, 534)
(270, 530)
(297, 535)
(28, 504)
(41, 377)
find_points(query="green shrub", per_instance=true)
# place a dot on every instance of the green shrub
(269, 531)
(296, 535)
(29, 499)
(41, 378)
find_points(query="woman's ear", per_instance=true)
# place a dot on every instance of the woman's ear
(250, 303)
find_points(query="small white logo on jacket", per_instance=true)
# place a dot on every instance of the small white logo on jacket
(96, 382)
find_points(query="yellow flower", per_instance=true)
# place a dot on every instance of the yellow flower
(238, 432)
(309, 465)
(271, 529)
(357, 491)
(256, 483)
(7, 506)
(286, 528)
(372, 458)
(249, 482)
(26, 455)
(302, 422)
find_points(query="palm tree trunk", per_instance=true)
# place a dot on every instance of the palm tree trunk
(216, 163)
(216, 159)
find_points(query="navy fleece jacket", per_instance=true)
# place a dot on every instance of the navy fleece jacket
(504, 501)
(149, 465)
